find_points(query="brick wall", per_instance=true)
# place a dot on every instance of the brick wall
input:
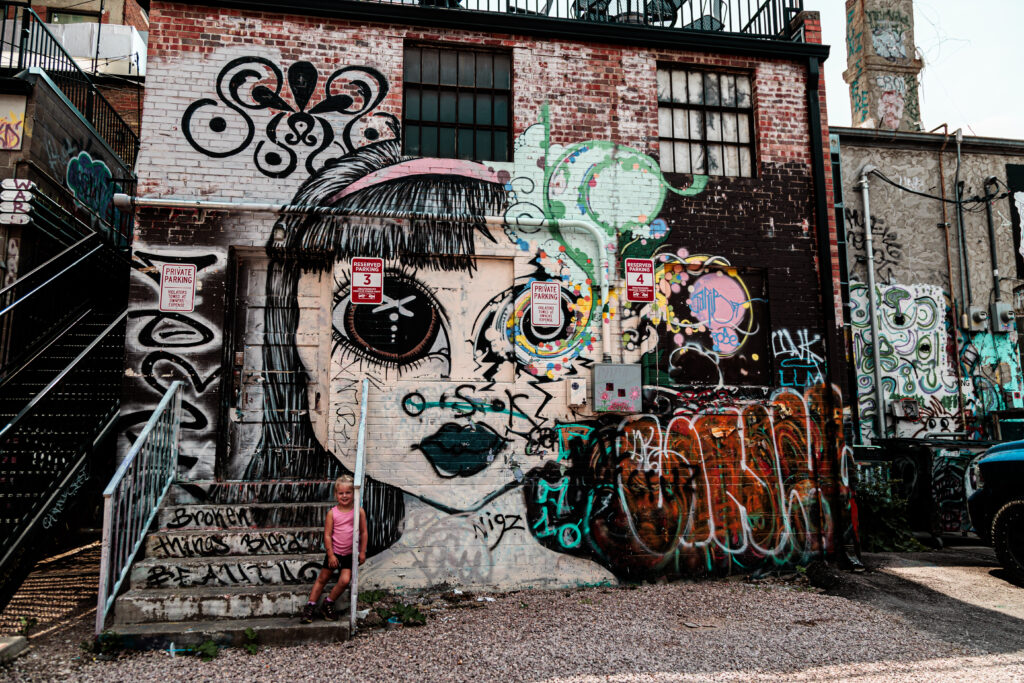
(473, 416)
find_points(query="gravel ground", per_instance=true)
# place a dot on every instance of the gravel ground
(713, 630)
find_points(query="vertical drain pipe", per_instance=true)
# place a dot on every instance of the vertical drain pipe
(992, 180)
(872, 307)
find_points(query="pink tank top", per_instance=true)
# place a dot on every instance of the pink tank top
(341, 539)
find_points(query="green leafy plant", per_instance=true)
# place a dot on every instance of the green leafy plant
(409, 615)
(369, 597)
(207, 650)
(250, 645)
(26, 624)
(106, 643)
(884, 526)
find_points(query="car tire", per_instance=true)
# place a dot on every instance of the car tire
(1008, 538)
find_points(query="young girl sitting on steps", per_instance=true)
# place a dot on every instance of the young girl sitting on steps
(338, 542)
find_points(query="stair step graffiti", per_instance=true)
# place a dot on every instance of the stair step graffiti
(139, 606)
(216, 543)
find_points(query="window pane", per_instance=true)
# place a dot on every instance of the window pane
(664, 86)
(680, 124)
(665, 153)
(743, 127)
(742, 91)
(412, 65)
(682, 157)
(465, 107)
(446, 143)
(429, 106)
(502, 71)
(429, 66)
(501, 110)
(679, 87)
(713, 120)
(712, 93)
(715, 160)
(483, 145)
(665, 123)
(732, 160)
(500, 152)
(695, 86)
(467, 68)
(729, 127)
(697, 159)
(465, 143)
(449, 67)
(412, 140)
(745, 166)
(483, 109)
(696, 125)
(447, 107)
(412, 103)
(728, 91)
(484, 71)
(428, 141)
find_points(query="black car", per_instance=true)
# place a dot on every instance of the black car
(997, 504)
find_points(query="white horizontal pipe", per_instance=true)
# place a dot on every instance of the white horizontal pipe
(124, 201)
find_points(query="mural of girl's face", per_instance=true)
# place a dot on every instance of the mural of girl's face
(441, 376)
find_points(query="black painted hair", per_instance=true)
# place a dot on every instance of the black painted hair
(289, 448)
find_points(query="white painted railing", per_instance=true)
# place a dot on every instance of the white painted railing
(133, 497)
(357, 503)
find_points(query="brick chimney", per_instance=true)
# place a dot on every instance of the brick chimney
(882, 64)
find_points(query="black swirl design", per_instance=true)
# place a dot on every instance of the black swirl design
(298, 129)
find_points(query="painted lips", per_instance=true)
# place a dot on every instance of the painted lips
(457, 450)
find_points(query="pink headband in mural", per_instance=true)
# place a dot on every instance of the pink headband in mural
(404, 169)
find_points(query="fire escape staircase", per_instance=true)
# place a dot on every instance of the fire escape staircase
(62, 328)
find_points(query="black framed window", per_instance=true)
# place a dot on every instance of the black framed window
(457, 103)
(705, 122)
(64, 17)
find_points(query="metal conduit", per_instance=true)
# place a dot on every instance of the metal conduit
(872, 305)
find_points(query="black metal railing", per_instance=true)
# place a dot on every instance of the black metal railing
(26, 42)
(769, 19)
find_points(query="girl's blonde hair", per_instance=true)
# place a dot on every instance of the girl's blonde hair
(342, 480)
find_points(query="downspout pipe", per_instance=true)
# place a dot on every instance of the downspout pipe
(989, 196)
(872, 304)
(966, 293)
(128, 202)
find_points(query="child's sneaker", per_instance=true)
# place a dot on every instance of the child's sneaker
(308, 612)
(330, 614)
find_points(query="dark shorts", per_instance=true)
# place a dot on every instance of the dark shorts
(344, 562)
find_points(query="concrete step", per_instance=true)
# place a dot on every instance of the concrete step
(141, 606)
(258, 570)
(218, 543)
(231, 633)
(243, 492)
(174, 517)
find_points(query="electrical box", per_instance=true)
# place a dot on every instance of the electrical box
(906, 409)
(577, 391)
(617, 388)
(1002, 317)
(977, 319)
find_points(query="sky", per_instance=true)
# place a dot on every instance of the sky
(973, 54)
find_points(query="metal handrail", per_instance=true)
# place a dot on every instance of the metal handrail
(34, 45)
(356, 506)
(53, 278)
(45, 264)
(134, 494)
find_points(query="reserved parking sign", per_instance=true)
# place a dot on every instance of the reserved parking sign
(367, 280)
(640, 280)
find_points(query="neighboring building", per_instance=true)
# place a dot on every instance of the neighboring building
(948, 349)
(696, 434)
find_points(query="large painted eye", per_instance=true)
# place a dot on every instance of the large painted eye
(405, 329)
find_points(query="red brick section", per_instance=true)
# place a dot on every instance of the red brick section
(125, 99)
(135, 16)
